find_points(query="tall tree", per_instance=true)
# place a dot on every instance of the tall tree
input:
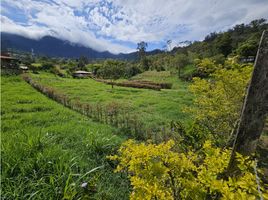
(82, 62)
(141, 46)
(224, 44)
(181, 60)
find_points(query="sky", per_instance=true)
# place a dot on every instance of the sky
(117, 26)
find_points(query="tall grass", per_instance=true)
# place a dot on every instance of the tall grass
(153, 109)
(48, 151)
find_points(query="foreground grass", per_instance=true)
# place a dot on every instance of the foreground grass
(48, 151)
(152, 107)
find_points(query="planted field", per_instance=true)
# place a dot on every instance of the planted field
(154, 108)
(49, 151)
(162, 76)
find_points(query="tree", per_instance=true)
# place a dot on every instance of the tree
(131, 70)
(47, 66)
(212, 36)
(181, 60)
(27, 60)
(248, 48)
(239, 29)
(112, 70)
(256, 24)
(82, 62)
(141, 46)
(224, 44)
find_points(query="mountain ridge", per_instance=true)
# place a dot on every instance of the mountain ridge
(54, 47)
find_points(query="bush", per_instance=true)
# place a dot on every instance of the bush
(47, 66)
(57, 71)
(132, 70)
(218, 100)
(158, 172)
(205, 67)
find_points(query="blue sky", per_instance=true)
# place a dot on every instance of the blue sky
(117, 26)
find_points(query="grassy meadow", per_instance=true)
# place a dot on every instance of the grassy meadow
(154, 108)
(48, 151)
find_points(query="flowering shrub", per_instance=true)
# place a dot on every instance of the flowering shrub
(218, 100)
(158, 172)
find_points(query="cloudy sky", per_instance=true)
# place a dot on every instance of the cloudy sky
(118, 25)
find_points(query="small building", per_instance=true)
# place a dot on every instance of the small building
(9, 65)
(81, 74)
(23, 68)
(8, 62)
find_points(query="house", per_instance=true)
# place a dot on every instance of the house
(9, 65)
(81, 74)
(8, 62)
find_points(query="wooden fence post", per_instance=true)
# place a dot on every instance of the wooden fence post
(255, 107)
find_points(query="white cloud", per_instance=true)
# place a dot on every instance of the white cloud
(33, 32)
(105, 25)
(59, 21)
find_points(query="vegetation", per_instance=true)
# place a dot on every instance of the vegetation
(44, 157)
(183, 124)
(218, 100)
(112, 70)
(158, 172)
(148, 108)
(229, 42)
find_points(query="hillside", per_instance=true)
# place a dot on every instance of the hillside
(242, 39)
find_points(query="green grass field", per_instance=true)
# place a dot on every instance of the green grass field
(162, 76)
(48, 151)
(152, 107)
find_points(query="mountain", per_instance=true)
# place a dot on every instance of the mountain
(54, 47)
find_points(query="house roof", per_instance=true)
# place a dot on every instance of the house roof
(82, 72)
(23, 67)
(8, 58)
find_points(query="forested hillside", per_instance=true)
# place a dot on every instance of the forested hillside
(242, 39)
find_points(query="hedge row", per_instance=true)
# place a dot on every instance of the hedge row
(162, 85)
(139, 84)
